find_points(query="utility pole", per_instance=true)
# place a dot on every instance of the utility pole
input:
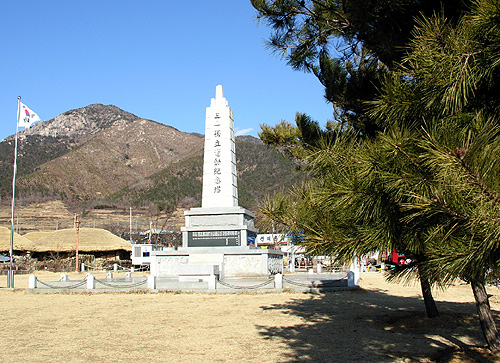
(77, 223)
(130, 235)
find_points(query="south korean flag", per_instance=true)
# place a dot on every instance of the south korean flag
(26, 116)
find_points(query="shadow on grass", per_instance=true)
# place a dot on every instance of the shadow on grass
(372, 326)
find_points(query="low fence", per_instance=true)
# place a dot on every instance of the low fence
(90, 282)
(276, 282)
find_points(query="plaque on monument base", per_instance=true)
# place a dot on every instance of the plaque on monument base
(218, 227)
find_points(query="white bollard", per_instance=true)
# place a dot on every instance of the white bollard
(212, 282)
(83, 267)
(64, 277)
(152, 282)
(355, 268)
(382, 267)
(310, 271)
(278, 281)
(109, 275)
(128, 275)
(90, 282)
(115, 267)
(132, 269)
(319, 268)
(350, 279)
(32, 282)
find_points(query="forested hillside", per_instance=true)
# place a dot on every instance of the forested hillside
(260, 170)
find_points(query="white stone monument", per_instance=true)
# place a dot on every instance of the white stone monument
(220, 188)
(219, 237)
(220, 222)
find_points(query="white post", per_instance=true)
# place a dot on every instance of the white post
(82, 266)
(355, 270)
(115, 267)
(32, 282)
(278, 281)
(90, 282)
(109, 276)
(350, 279)
(151, 282)
(128, 275)
(64, 277)
(212, 282)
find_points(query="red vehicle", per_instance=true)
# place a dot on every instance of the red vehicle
(398, 258)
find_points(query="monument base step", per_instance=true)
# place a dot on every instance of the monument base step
(197, 272)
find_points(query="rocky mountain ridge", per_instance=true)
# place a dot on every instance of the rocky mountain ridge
(103, 157)
(113, 158)
(81, 122)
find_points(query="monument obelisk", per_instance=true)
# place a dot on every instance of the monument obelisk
(220, 222)
(220, 188)
(219, 237)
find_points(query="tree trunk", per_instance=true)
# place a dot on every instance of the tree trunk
(430, 304)
(488, 325)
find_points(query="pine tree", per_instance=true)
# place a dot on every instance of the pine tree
(427, 182)
(353, 202)
(347, 45)
(444, 88)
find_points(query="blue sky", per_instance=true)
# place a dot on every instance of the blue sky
(158, 59)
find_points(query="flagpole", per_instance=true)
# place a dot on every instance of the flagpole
(10, 277)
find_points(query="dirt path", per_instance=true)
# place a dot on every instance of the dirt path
(379, 323)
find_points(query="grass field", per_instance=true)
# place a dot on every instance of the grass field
(378, 323)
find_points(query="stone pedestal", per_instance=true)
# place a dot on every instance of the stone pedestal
(199, 263)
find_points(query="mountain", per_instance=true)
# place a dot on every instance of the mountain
(113, 158)
(103, 156)
(47, 140)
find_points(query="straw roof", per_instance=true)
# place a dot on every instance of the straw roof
(34, 236)
(89, 240)
(20, 243)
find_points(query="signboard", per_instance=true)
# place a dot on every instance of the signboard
(270, 239)
(214, 238)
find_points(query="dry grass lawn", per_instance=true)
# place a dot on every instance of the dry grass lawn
(379, 323)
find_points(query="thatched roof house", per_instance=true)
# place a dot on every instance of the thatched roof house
(89, 240)
(20, 243)
(34, 236)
